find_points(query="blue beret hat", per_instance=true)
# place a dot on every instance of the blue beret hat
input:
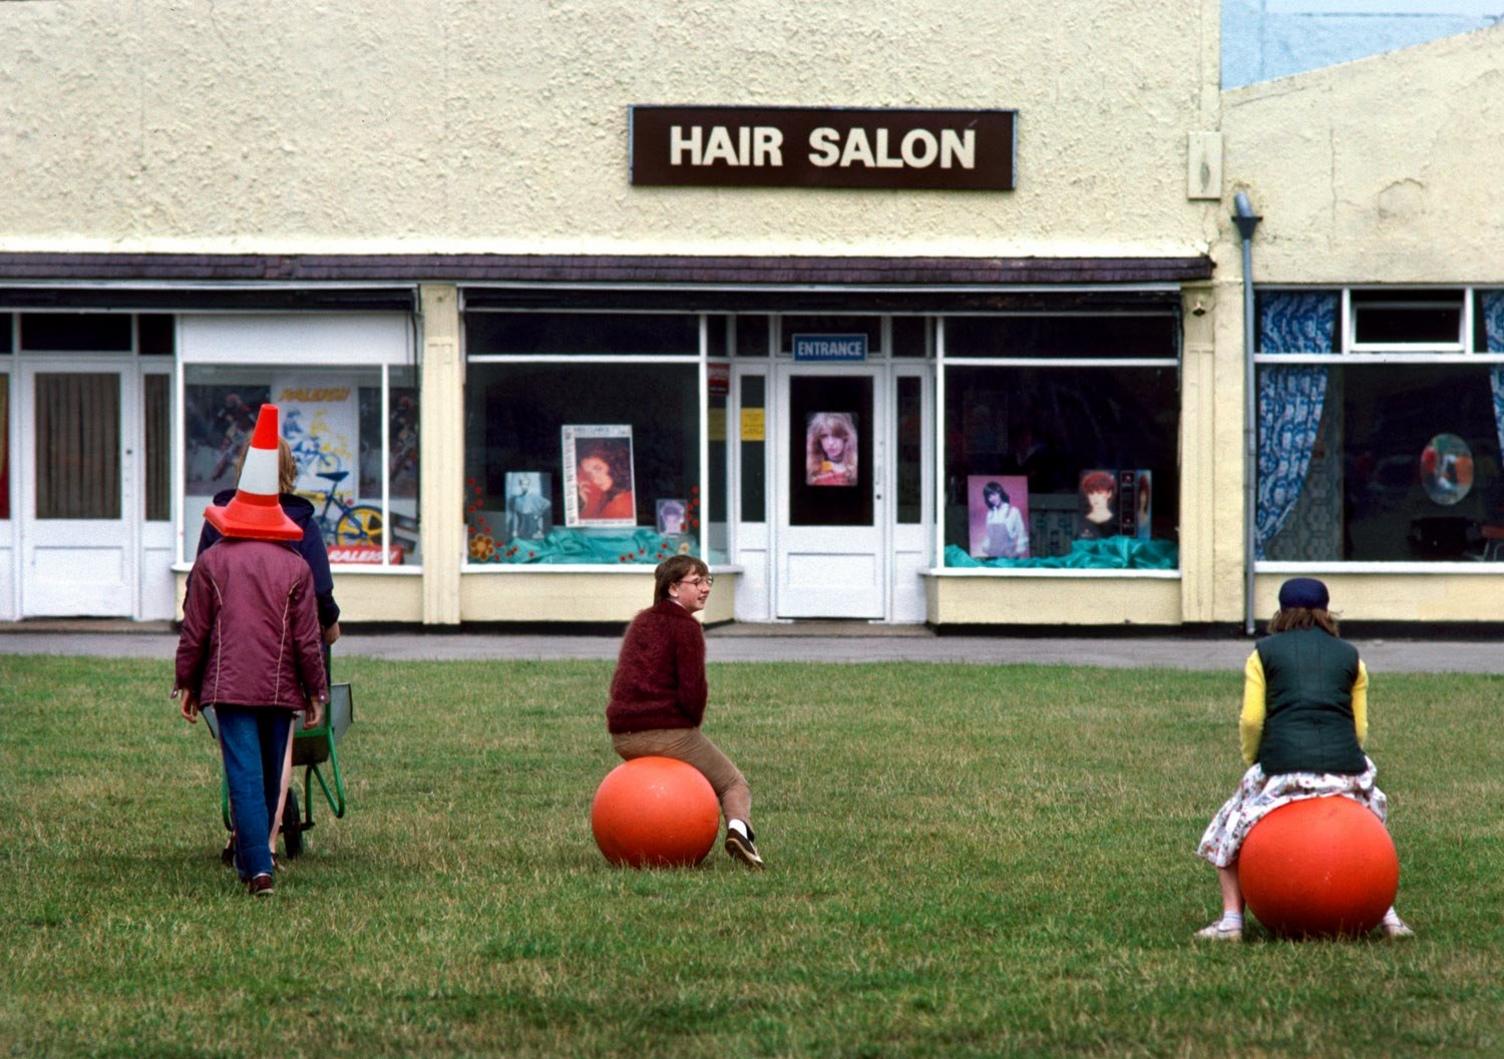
(1303, 592)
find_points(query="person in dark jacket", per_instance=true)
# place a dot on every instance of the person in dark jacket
(249, 646)
(312, 548)
(658, 694)
(1303, 725)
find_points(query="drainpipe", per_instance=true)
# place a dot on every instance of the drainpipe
(1246, 221)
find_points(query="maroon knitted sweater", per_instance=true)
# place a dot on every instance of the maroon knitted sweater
(660, 674)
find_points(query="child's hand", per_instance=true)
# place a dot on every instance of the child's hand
(313, 713)
(189, 707)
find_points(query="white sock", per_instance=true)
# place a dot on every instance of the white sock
(1231, 919)
(1392, 918)
(738, 826)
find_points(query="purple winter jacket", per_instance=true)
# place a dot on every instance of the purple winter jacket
(250, 633)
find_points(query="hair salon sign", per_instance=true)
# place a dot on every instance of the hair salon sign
(956, 150)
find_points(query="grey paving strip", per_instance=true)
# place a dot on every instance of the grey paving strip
(1382, 656)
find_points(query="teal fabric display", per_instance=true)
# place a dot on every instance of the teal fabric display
(1110, 553)
(572, 547)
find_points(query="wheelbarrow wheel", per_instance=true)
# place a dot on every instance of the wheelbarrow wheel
(292, 827)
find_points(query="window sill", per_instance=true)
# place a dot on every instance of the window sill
(953, 571)
(1467, 567)
(342, 568)
(580, 568)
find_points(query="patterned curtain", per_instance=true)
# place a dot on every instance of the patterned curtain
(1493, 330)
(1290, 400)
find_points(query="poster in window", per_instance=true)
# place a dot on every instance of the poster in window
(1143, 504)
(998, 505)
(673, 515)
(530, 505)
(321, 424)
(830, 449)
(598, 480)
(217, 423)
(1097, 517)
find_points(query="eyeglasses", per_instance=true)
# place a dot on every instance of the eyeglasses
(698, 581)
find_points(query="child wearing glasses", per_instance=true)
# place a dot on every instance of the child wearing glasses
(658, 694)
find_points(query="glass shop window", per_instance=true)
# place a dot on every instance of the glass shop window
(1397, 320)
(581, 464)
(355, 451)
(1057, 336)
(1062, 467)
(1380, 463)
(4, 446)
(76, 332)
(582, 334)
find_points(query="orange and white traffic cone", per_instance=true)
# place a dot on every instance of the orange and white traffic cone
(254, 512)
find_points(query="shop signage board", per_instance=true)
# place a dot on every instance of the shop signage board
(827, 349)
(822, 147)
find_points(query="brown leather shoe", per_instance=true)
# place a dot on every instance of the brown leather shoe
(261, 885)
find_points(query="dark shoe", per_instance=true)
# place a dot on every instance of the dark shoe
(261, 886)
(227, 855)
(741, 848)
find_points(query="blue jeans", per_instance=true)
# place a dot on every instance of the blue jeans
(252, 743)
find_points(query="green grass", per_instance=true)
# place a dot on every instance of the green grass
(963, 861)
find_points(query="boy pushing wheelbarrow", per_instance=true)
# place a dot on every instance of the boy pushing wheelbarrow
(250, 647)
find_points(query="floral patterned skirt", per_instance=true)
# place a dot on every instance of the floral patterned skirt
(1258, 795)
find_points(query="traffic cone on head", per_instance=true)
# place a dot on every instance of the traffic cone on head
(254, 512)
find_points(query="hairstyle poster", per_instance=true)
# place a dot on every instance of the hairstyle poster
(1143, 504)
(998, 505)
(598, 480)
(830, 448)
(1097, 516)
(530, 505)
(673, 516)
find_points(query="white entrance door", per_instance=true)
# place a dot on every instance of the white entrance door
(828, 469)
(77, 545)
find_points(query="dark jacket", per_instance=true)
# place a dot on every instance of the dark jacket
(311, 548)
(660, 673)
(1308, 703)
(250, 633)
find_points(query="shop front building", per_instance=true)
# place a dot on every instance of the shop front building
(910, 346)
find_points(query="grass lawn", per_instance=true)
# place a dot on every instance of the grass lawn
(962, 861)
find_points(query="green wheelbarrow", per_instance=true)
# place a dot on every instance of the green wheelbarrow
(314, 750)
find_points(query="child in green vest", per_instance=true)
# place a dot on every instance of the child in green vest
(1303, 725)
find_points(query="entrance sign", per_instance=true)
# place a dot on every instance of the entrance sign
(827, 348)
(957, 150)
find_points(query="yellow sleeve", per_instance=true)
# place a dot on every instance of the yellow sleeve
(1360, 703)
(1251, 720)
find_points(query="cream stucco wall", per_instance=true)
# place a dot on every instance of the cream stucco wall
(1383, 170)
(1053, 600)
(574, 595)
(378, 125)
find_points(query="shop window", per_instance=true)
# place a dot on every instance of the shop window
(7, 326)
(4, 446)
(1363, 459)
(155, 335)
(158, 447)
(581, 334)
(912, 336)
(1147, 335)
(1062, 466)
(1406, 319)
(582, 464)
(910, 435)
(361, 479)
(76, 332)
(752, 336)
(754, 445)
